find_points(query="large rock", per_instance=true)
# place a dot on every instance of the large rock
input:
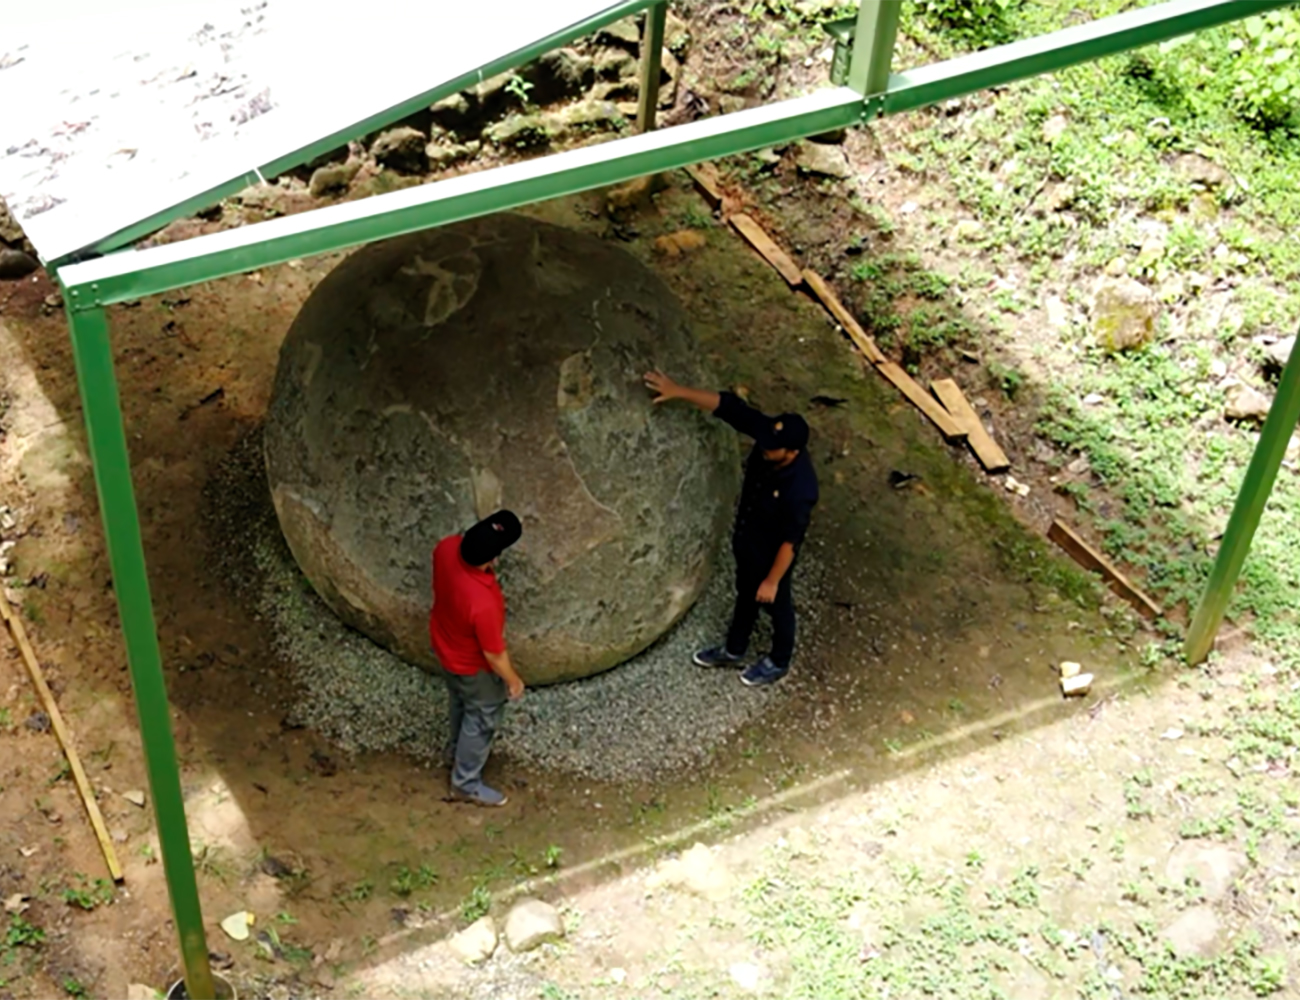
(559, 75)
(431, 379)
(1124, 314)
(1195, 934)
(823, 161)
(1215, 867)
(519, 132)
(16, 264)
(402, 150)
(1241, 402)
(532, 923)
(476, 943)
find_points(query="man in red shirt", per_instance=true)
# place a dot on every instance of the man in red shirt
(467, 632)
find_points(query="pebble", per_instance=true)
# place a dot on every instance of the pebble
(655, 715)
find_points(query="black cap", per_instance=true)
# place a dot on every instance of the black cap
(490, 537)
(788, 430)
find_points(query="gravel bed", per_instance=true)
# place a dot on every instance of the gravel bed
(654, 715)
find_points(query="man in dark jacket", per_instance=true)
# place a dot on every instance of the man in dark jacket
(776, 503)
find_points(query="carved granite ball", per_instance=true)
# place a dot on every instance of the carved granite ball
(432, 379)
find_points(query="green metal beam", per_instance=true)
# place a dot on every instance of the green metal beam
(873, 45)
(130, 274)
(1005, 64)
(652, 55)
(108, 455)
(1251, 500)
(125, 237)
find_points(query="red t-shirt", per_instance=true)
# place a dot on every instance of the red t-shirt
(468, 617)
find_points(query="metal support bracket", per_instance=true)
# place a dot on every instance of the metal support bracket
(652, 54)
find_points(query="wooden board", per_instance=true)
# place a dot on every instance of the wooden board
(768, 249)
(923, 401)
(1089, 558)
(65, 738)
(842, 316)
(992, 457)
(705, 177)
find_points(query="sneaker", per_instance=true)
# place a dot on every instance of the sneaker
(480, 796)
(763, 672)
(716, 656)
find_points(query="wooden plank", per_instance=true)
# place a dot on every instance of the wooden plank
(65, 738)
(836, 308)
(923, 401)
(1089, 558)
(767, 248)
(992, 457)
(705, 176)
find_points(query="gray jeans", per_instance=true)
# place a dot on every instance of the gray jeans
(475, 703)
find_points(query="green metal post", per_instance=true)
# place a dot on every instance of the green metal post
(109, 458)
(652, 53)
(1255, 490)
(873, 45)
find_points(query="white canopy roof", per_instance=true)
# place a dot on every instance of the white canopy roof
(118, 114)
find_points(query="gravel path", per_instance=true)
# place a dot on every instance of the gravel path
(652, 716)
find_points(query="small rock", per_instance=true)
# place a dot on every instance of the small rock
(139, 991)
(615, 64)
(967, 229)
(7, 521)
(16, 903)
(456, 112)
(682, 242)
(401, 150)
(332, 178)
(1076, 686)
(1193, 934)
(1216, 868)
(1054, 128)
(1058, 313)
(559, 75)
(1241, 402)
(1069, 668)
(1093, 399)
(476, 943)
(519, 132)
(587, 116)
(237, 925)
(1013, 485)
(1204, 207)
(531, 923)
(441, 157)
(1203, 172)
(1117, 267)
(823, 161)
(1218, 368)
(1279, 353)
(119, 835)
(746, 975)
(38, 722)
(1056, 197)
(135, 797)
(618, 976)
(1124, 314)
(1172, 733)
(624, 34)
(15, 264)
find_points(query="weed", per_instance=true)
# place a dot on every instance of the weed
(519, 88)
(23, 934)
(88, 894)
(551, 856)
(358, 892)
(476, 904)
(408, 880)
(74, 987)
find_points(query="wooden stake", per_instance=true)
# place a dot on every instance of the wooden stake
(1089, 558)
(842, 316)
(992, 457)
(705, 176)
(768, 249)
(924, 402)
(65, 738)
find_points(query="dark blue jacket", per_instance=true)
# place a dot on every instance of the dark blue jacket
(775, 504)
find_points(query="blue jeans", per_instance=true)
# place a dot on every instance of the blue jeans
(475, 702)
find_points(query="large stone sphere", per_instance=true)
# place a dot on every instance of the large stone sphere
(432, 379)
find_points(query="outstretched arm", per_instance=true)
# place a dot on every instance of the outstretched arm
(665, 389)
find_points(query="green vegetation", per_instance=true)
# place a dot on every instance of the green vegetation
(408, 880)
(88, 894)
(476, 904)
